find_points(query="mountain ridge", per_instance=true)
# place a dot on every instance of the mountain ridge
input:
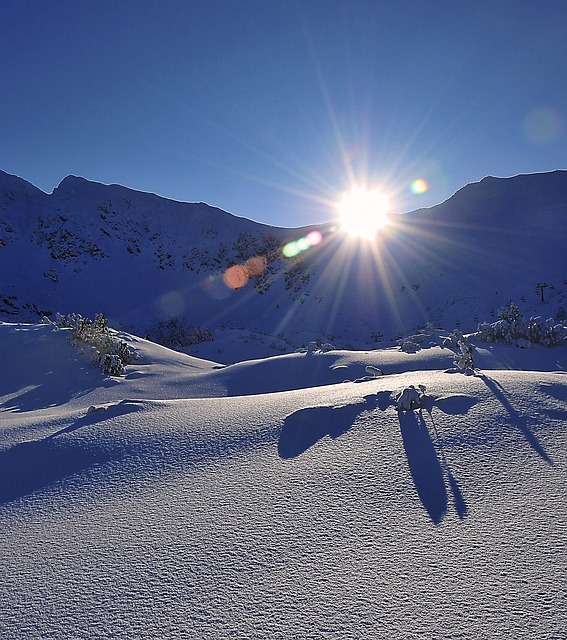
(142, 258)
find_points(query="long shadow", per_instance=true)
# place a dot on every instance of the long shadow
(305, 427)
(56, 388)
(458, 498)
(516, 418)
(425, 468)
(31, 466)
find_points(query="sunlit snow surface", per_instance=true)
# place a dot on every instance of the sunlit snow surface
(281, 498)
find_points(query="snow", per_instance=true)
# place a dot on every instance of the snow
(138, 258)
(242, 488)
(281, 497)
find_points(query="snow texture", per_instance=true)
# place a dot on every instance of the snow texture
(280, 498)
(275, 479)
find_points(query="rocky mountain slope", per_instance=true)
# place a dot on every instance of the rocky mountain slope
(142, 259)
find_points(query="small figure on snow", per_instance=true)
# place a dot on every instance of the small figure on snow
(464, 361)
(410, 398)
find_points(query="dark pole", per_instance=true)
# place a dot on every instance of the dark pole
(541, 287)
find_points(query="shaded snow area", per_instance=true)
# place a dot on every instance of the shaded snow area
(282, 498)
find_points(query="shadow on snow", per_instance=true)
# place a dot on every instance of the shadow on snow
(31, 466)
(55, 389)
(518, 420)
(429, 466)
(426, 459)
(424, 465)
(304, 428)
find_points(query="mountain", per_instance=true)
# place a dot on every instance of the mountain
(290, 496)
(143, 259)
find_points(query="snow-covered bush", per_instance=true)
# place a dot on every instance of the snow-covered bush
(413, 343)
(175, 333)
(452, 340)
(111, 364)
(410, 344)
(509, 327)
(316, 346)
(546, 332)
(464, 359)
(110, 353)
(410, 398)
(512, 328)
(464, 355)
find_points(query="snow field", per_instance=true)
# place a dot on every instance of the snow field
(318, 512)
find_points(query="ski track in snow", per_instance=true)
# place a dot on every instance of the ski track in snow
(290, 510)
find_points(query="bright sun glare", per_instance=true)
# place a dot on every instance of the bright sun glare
(363, 212)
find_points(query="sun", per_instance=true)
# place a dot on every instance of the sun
(363, 212)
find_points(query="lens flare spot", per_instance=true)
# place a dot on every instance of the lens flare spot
(290, 250)
(235, 277)
(256, 265)
(543, 126)
(172, 303)
(314, 238)
(295, 247)
(419, 186)
(215, 287)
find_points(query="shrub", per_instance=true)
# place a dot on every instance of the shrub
(410, 398)
(512, 327)
(174, 333)
(410, 344)
(464, 355)
(316, 346)
(110, 353)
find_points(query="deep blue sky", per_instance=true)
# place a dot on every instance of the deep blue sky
(270, 108)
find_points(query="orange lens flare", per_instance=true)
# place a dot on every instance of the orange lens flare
(256, 265)
(236, 277)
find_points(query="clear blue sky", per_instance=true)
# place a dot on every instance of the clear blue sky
(270, 108)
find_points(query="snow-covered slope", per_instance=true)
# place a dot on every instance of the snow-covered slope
(140, 259)
(281, 498)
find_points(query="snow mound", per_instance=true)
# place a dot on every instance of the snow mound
(316, 510)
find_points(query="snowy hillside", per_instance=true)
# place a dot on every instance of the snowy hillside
(142, 259)
(218, 493)
(281, 498)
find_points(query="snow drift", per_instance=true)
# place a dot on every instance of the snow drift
(168, 504)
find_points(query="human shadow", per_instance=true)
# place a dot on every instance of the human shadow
(425, 468)
(458, 498)
(518, 420)
(305, 427)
